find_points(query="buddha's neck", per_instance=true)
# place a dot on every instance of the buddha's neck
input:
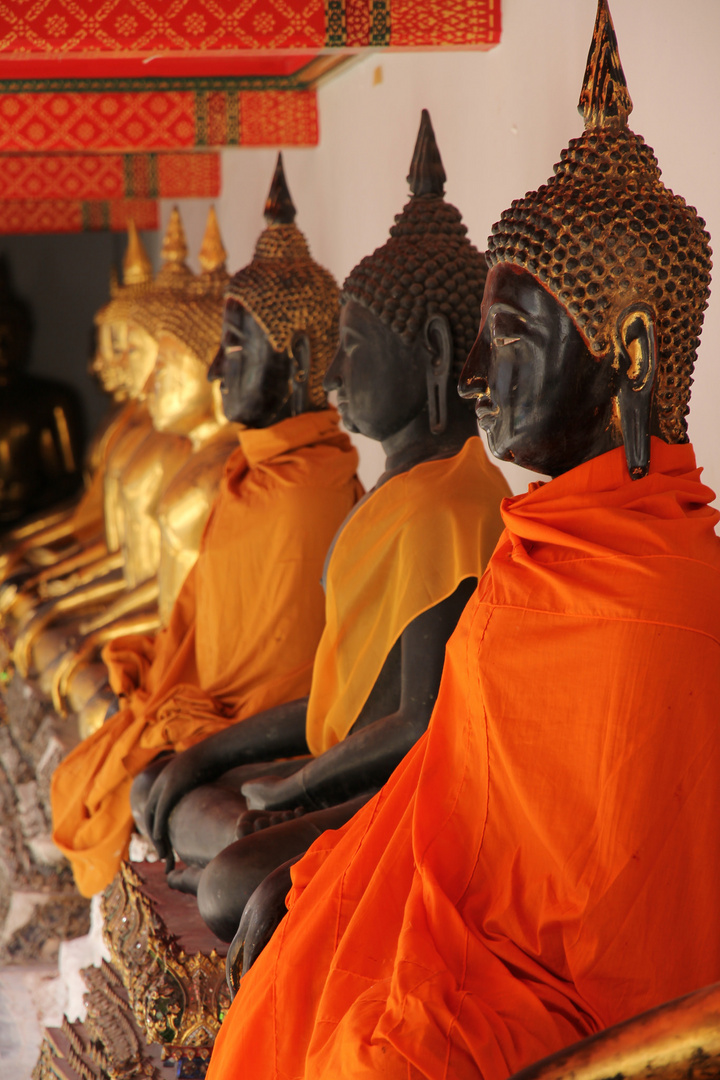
(416, 443)
(203, 432)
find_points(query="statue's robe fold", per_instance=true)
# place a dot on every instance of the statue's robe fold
(404, 550)
(545, 861)
(241, 638)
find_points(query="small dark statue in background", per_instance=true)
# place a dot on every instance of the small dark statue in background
(40, 420)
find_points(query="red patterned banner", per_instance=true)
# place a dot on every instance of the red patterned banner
(413, 24)
(200, 36)
(109, 176)
(32, 216)
(155, 120)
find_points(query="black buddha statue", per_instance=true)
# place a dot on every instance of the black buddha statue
(407, 318)
(40, 421)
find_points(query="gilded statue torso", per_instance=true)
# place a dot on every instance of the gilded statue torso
(184, 510)
(142, 484)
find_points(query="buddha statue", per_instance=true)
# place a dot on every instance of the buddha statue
(40, 421)
(398, 577)
(243, 630)
(53, 560)
(45, 542)
(135, 478)
(543, 865)
(183, 402)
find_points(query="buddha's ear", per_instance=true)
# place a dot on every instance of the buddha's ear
(438, 340)
(637, 356)
(300, 357)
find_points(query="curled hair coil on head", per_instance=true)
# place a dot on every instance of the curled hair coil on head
(605, 233)
(428, 266)
(286, 291)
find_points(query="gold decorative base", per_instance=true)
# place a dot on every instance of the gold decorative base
(171, 965)
(107, 1046)
(39, 904)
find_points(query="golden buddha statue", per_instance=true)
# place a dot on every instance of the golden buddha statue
(84, 585)
(185, 405)
(57, 549)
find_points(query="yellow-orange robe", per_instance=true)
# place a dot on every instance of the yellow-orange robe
(545, 861)
(405, 549)
(241, 638)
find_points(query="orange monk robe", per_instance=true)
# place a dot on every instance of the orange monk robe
(545, 861)
(405, 549)
(241, 638)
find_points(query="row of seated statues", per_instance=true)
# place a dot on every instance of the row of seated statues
(441, 764)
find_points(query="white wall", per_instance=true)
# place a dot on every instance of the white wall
(501, 119)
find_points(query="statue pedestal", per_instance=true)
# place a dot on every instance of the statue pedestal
(171, 965)
(108, 1043)
(39, 904)
(161, 998)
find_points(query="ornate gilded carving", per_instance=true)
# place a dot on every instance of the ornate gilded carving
(605, 232)
(679, 1040)
(178, 999)
(107, 1046)
(286, 291)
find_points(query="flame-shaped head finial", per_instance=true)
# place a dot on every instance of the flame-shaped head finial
(137, 268)
(427, 175)
(279, 207)
(174, 247)
(212, 251)
(604, 100)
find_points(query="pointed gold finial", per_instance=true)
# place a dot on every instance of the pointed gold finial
(137, 268)
(604, 101)
(212, 251)
(174, 248)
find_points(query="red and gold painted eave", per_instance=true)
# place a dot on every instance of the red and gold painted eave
(105, 101)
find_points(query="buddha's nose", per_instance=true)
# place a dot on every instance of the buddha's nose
(333, 380)
(473, 377)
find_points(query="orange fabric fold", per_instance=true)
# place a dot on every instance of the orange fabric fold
(544, 862)
(241, 637)
(404, 550)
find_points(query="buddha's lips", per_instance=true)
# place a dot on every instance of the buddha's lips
(485, 408)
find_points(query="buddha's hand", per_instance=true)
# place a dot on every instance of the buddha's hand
(263, 912)
(179, 777)
(251, 821)
(275, 792)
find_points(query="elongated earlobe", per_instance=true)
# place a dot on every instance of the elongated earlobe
(638, 363)
(439, 363)
(300, 374)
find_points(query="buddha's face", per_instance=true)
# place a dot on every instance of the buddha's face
(254, 378)
(109, 361)
(180, 397)
(140, 357)
(380, 382)
(545, 402)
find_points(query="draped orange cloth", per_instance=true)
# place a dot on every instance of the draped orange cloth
(404, 550)
(241, 638)
(545, 861)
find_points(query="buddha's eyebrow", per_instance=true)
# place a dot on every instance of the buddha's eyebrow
(234, 330)
(501, 308)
